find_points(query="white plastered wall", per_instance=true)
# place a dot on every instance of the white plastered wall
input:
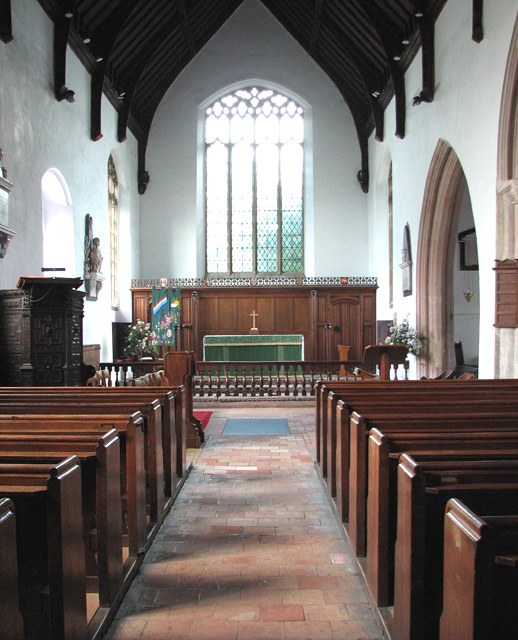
(464, 113)
(37, 133)
(252, 45)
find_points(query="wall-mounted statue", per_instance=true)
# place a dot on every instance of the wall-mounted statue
(93, 262)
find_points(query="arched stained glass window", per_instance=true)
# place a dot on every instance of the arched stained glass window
(254, 141)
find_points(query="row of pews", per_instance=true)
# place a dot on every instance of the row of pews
(87, 476)
(423, 476)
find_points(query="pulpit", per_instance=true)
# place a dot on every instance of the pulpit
(41, 331)
(385, 355)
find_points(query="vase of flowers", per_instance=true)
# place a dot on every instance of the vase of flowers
(403, 333)
(141, 339)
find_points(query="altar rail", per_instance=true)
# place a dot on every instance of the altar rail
(287, 378)
(217, 379)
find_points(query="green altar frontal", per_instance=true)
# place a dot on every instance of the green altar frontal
(253, 348)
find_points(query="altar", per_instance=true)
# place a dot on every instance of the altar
(240, 348)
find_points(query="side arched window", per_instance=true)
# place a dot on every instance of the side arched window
(113, 208)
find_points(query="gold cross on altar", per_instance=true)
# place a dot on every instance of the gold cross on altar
(254, 316)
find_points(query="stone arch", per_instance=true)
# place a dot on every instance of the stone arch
(435, 256)
(506, 346)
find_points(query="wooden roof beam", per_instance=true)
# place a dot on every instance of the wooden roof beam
(427, 31)
(478, 25)
(131, 86)
(363, 173)
(6, 24)
(392, 49)
(105, 44)
(143, 175)
(61, 31)
(367, 76)
(186, 28)
(317, 25)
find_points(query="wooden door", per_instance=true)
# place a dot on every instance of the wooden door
(346, 327)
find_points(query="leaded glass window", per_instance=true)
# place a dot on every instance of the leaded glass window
(113, 207)
(254, 141)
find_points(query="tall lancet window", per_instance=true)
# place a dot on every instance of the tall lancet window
(113, 206)
(254, 141)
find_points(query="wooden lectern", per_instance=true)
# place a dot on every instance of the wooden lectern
(385, 355)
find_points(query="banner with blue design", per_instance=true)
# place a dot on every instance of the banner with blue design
(165, 313)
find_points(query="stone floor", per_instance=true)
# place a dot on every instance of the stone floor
(251, 549)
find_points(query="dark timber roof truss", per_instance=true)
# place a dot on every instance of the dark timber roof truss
(135, 49)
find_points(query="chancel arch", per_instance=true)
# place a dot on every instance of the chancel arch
(57, 224)
(443, 197)
(506, 338)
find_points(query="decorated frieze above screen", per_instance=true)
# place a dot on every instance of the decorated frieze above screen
(347, 281)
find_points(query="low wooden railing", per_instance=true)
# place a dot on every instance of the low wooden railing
(289, 379)
(121, 372)
(217, 379)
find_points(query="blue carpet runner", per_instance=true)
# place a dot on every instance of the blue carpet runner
(256, 427)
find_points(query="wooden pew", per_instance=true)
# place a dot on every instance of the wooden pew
(384, 453)
(11, 622)
(480, 583)
(174, 420)
(347, 391)
(133, 479)
(104, 410)
(392, 398)
(179, 367)
(359, 429)
(397, 405)
(50, 550)
(423, 491)
(99, 457)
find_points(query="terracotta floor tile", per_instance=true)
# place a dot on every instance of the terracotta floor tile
(308, 631)
(264, 630)
(250, 549)
(236, 612)
(303, 596)
(354, 630)
(326, 612)
(214, 630)
(339, 596)
(281, 612)
(173, 629)
(298, 570)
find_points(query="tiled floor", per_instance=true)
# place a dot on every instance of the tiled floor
(250, 550)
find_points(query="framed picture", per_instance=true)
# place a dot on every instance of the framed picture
(468, 250)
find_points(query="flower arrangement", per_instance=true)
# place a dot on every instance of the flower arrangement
(141, 338)
(403, 333)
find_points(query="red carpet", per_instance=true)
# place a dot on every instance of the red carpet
(203, 417)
